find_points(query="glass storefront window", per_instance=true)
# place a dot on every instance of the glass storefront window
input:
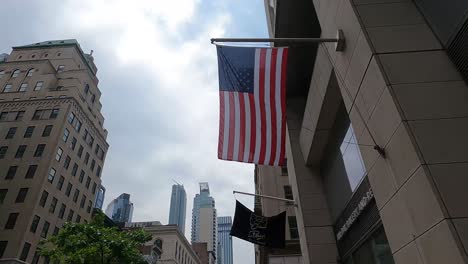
(352, 158)
(375, 250)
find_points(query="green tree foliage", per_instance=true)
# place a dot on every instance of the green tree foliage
(94, 243)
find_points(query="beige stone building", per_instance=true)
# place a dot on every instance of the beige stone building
(52, 143)
(377, 133)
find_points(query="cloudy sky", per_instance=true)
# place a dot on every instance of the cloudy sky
(158, 77)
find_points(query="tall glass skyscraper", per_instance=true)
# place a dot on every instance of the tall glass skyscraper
(178, 207)
(120, 209)
(225, 239)
(101, 194)
(204, 221)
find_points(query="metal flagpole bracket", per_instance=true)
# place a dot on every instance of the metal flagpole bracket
(339, 40)
(288, 201)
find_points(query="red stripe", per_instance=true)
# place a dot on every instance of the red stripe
(242, 127)
(252, 127)
(273, 154)
(221, 125)
(232, 128)
(261, 97)
(284, 70)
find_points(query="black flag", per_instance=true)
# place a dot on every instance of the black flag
(261, 230)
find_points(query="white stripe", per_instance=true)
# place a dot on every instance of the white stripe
(267, 105)
(226, 124)
(247, 127)
(279, 60)
(257, 106)
(236, 126)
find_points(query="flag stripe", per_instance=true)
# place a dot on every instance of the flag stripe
(273, 88)
(279, 131)
(237, 125)
(253, 127)
(257, 88)
(226, 125)
(261, 103)
(266, 99)
(231, 126)
(222, 109)
(283, 104)
(245, 121)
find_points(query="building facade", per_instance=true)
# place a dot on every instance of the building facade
(376, 133)
(178, 208)
(225, 239)
(201, 249)
(167, 245)
(204, 221)
(100, 196)
(120, 210)
(52, 143)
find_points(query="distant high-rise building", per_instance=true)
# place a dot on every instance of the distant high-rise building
(225, 239)
(178, 207)
(101, 193)
(52, 143)
(204, 221)
(120, 210)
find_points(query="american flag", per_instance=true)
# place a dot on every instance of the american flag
(252, 92)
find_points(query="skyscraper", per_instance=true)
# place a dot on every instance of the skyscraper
(52, 143)
(204, 221)
(120, 209)
(178, 207)
(225, 239)
(101, 194)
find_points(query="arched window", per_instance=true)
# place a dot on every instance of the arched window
(15, 73)
(30, 72)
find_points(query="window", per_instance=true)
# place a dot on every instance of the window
(74, 169)
(25, 251)
(7, 88)
(37, 114)
(78, 218)
(70, 215)
(38, 86)
(15, 73)
(83, 200)
(68, 190)
(11, 172)
(20, 151)
(96, 150)
(29, 132)
(63, 207)
(93, 163)
(51, 175)
(352, 159)
(30, 73)
(3, 193)
(66, 164)
(45, 229)
(59, 153)
(90, 204)
(19, 115)
(88, 181)
(80, 151)
(53, 204)
(86, 90)
(86, 159)
(73, 143)
(94, 188)
(93, 98)
(288, 192)
(60, 68)
(47, 130)
(71, 118)
(23, 87)
(43, 199)
(54, 113)
(56, 231)
(66, 133)
(30, 172)
(11, 222)
(39, 150)
(3, 243)
(98, 171)
(3, 151)
(82, 174)
(34, 224)
(60, 183)
(35, 259)
(75, 195)
(85, 135)
(78, 125)
(21, 195)
(3, 116)
(11, 132)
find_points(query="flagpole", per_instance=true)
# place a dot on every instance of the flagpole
(267, 197)
(339, 40)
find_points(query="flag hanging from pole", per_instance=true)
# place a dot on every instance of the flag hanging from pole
(252, 93)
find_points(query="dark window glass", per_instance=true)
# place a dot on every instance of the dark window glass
(63, 207)
(45, 229)
(94, 188)
(3, 116)
(80, 151)
(3, 245)
(74, 169)
(60, 183)
(85, 134)
(31, 171)
(53, 204)
(88, 181)
(83, 201)
(96, 150)
(29, 131)
(56, 231)
(66, 133)
(93, 163)
(82, 174)
(59, 153)
(90, 204)
(11, 133)
(39, 150)
(70, 215)
(293, 232)
(98, 171)
(21, 195)
(51, 175)
(35, 259)
(54, 113)
(19, 115)
(66, 164)
(86, 159)
(11, 222)
(78, 219)
(75, 195)
(3, 193)
(78, 125)
(86, 89)
(37, 114)
(47, 130)
(11, 172)
(43, 199)
(25, 251)
(3, 151)
(288, 194)
(71, 117)
(34, 224)
(73, 143)
(68, 190)
(20, 151)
